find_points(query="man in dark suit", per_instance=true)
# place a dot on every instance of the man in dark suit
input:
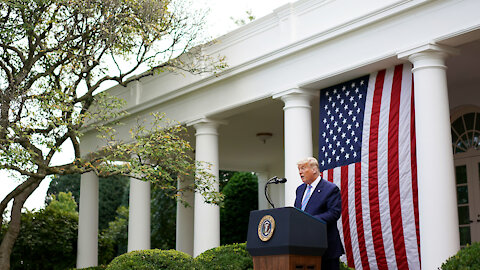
(322, 200)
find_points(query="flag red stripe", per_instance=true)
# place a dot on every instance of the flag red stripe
(393, 171)
(413, 152)
(373, 173)
(345, 215)
(330, 175)
(359, 216)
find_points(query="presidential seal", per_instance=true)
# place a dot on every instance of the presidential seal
(266, 226)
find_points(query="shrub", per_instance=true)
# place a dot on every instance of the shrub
(241, 197)
(231, 257)
(344, 266)
(467, 258)
(100, 267)
(48, 238)
(152, 259)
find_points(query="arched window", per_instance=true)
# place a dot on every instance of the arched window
(466, 132)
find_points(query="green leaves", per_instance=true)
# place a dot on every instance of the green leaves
(466, 258)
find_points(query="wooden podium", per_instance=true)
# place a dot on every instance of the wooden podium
(286, 238)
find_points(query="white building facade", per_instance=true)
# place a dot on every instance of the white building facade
(277, 66)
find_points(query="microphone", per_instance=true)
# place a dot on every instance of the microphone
(280, 180)
(273, 180)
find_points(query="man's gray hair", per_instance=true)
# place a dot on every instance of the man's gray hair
(311, 161)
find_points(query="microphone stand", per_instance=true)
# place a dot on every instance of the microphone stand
(273, 180)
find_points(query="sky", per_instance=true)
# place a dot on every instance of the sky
(219, 22)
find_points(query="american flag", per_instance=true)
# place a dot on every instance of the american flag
(367, 148)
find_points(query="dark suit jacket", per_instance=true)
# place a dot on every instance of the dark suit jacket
(326, 204)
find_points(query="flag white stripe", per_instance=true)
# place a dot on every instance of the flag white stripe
(383, 191)
(352, 215)
(367, 224)
(405, 171)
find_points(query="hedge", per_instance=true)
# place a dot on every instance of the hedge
(229, 257)
(152, 259)
(466, 258)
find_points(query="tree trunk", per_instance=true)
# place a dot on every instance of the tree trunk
(14, 226)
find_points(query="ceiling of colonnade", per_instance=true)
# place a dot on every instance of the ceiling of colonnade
(240, 149)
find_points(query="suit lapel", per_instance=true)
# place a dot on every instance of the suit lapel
(298, 201)
(315, 195)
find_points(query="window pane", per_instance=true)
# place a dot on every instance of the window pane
(461, 174)
(454, 136)
(458, 126)
(465, 236)
(463, 215)
(477, 122)
(476, 139)
(469, 118)
(462, 194)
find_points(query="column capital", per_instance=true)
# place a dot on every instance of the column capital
(205, 121)
(429, 55)
(295, 92)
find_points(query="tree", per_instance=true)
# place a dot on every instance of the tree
(241, 197)
(55, 56)
(50, 236)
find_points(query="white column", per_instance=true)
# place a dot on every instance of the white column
(436, 180)
(206, 216)
(298, 135)
(184, 231)
(262, 180)
(139, 215)
(87, 252)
